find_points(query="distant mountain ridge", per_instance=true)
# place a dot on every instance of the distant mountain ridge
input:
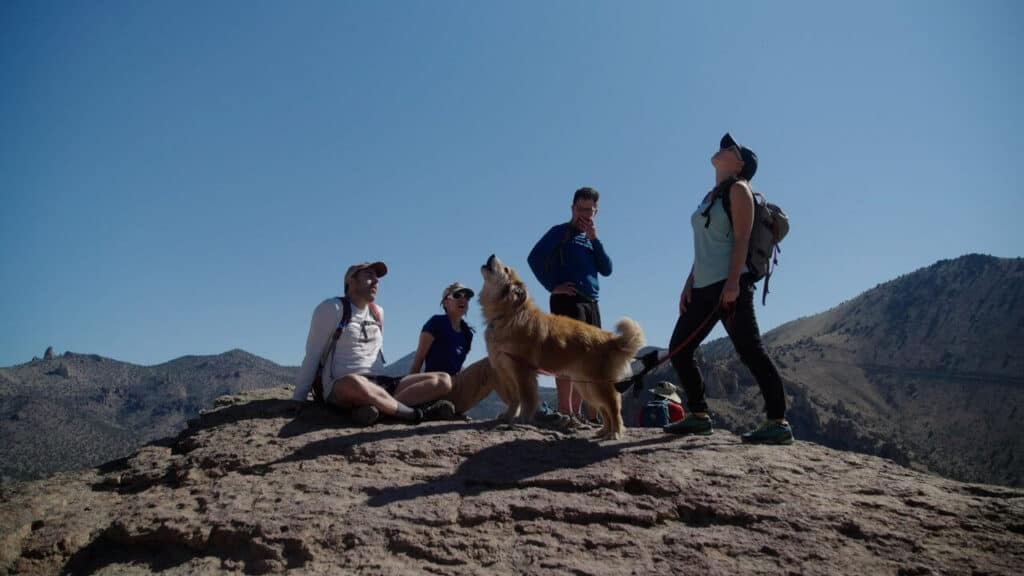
(78, 410)
(923, 369)
(72, 411)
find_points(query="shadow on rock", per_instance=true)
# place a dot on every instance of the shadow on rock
(511, 465)
(248, 410)
(344, 445)
(305, 416)
(312, 416)
(163, 548)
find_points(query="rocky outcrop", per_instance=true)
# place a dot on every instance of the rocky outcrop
(256, 486)
(49, 355)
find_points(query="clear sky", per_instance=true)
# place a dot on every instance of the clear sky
(190, 177)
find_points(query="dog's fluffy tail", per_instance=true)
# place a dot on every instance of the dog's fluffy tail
(630, 337)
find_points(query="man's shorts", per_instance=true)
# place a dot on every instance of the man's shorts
(388, 383)
(578, 307)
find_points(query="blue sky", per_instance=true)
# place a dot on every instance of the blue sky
(190, 177)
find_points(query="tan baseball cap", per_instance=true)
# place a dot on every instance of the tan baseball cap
(456, 287)
(379, 267)
(666, 390)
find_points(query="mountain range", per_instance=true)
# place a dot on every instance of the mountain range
(924, 370)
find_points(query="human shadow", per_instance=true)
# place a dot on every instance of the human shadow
(344, 445)
(507, 465)
(304, 417)
(249, 410)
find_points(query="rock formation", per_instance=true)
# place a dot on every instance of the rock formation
(260, 486)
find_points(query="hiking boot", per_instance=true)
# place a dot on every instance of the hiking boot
(546, 415)
(437, 410)
(548, 418)
(770, 432)
(365, 415)
(690, 425)
(581, 422)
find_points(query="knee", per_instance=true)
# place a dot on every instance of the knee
(752, 353)
(444, 383)
(351, 389)
(685, 357)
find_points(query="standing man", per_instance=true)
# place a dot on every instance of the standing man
(567, 261)
(352, 371)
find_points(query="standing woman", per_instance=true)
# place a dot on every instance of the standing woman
(446, 338)
(720, 288)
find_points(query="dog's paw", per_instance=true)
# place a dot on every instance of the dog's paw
(607, 434)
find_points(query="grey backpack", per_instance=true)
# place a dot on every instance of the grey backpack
(771, 225)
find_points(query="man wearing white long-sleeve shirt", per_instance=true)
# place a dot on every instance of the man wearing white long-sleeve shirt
(351, 376)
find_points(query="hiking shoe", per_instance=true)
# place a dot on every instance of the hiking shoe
(546, 414)
(690, 425)
(770, 432)
(581, 422)
(548, 418)
(437, 410)
(365, 415)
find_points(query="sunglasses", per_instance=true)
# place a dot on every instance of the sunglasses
(459, 296)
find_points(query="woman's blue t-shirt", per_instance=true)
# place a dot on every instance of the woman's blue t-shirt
(450, 347)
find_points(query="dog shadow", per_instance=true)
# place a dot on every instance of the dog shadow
(508, 465)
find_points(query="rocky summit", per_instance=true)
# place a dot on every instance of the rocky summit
(263, 485)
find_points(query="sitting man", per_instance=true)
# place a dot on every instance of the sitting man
(351, 369)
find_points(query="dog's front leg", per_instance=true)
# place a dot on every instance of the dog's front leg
(506, 386)
(528, 393)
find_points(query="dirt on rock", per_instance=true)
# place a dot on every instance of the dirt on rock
(260, 485)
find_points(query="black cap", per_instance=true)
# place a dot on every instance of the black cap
(746, 154)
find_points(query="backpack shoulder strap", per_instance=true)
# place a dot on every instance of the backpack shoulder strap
(327, 353)
(559, 250)
(346, 311)
(346, 315)
(378, 315)
(720, 191)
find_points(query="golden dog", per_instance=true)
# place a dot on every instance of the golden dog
(521, 339)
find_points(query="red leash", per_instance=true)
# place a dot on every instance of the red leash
(651, 362)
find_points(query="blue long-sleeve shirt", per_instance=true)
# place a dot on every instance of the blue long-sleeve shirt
(580, 261)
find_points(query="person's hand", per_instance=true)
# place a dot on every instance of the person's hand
(684, 298)
(588, 228)
(567, 288)
(730, 293)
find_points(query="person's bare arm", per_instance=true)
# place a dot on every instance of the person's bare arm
(742, 208)
(426, 341)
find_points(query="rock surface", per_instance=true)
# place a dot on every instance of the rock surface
(259, 486)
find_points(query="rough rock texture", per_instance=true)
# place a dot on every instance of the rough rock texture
(257, 486)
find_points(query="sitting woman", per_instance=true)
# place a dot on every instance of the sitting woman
(446, 338)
